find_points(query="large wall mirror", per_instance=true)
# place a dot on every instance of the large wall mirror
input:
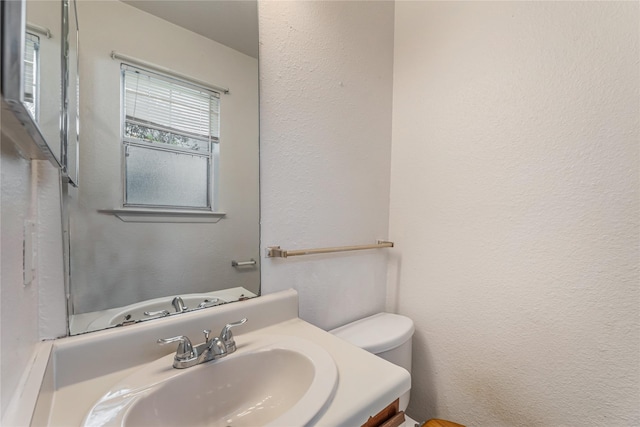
(165, 218)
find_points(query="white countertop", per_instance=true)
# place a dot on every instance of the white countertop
(366, 383)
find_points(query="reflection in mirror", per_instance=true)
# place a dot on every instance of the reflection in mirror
(31, 86)
(43, 69)
(152, 95)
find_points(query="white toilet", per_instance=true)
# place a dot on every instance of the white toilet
(386, 335)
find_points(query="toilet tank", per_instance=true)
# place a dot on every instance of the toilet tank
(384, 334)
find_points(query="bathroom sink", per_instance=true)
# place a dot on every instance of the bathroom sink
(136, 312)
(269, 381)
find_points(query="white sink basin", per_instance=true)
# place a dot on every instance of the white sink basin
(135, 312)
(270, 380)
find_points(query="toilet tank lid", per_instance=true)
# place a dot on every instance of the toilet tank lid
(377, 333)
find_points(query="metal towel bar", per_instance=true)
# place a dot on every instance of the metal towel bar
(276, 252)
(235, 263)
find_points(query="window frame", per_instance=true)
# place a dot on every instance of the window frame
(212, 156)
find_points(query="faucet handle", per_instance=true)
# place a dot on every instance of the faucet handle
(206, 332)
(209, 303)
(227, 337)
(185, 348)
(161, 313)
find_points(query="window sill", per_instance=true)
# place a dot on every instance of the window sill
(164, 215)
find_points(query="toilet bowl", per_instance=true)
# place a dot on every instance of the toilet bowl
(386, 335)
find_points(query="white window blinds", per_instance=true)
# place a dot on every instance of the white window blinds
(32, 44)
(165, 105)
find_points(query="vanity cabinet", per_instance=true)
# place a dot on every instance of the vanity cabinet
(390, 416)
(130, 355)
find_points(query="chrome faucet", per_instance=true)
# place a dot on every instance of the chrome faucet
(178, 304)
(187, 355)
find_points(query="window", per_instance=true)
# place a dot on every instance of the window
(31, 75)
(170, 137)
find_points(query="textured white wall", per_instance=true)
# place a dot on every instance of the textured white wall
(325, 133)
(116, 263)
(36, 311)
(52, 309)
(515, 202)
(19, 322)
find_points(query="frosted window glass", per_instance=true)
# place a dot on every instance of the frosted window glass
(165, 178)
